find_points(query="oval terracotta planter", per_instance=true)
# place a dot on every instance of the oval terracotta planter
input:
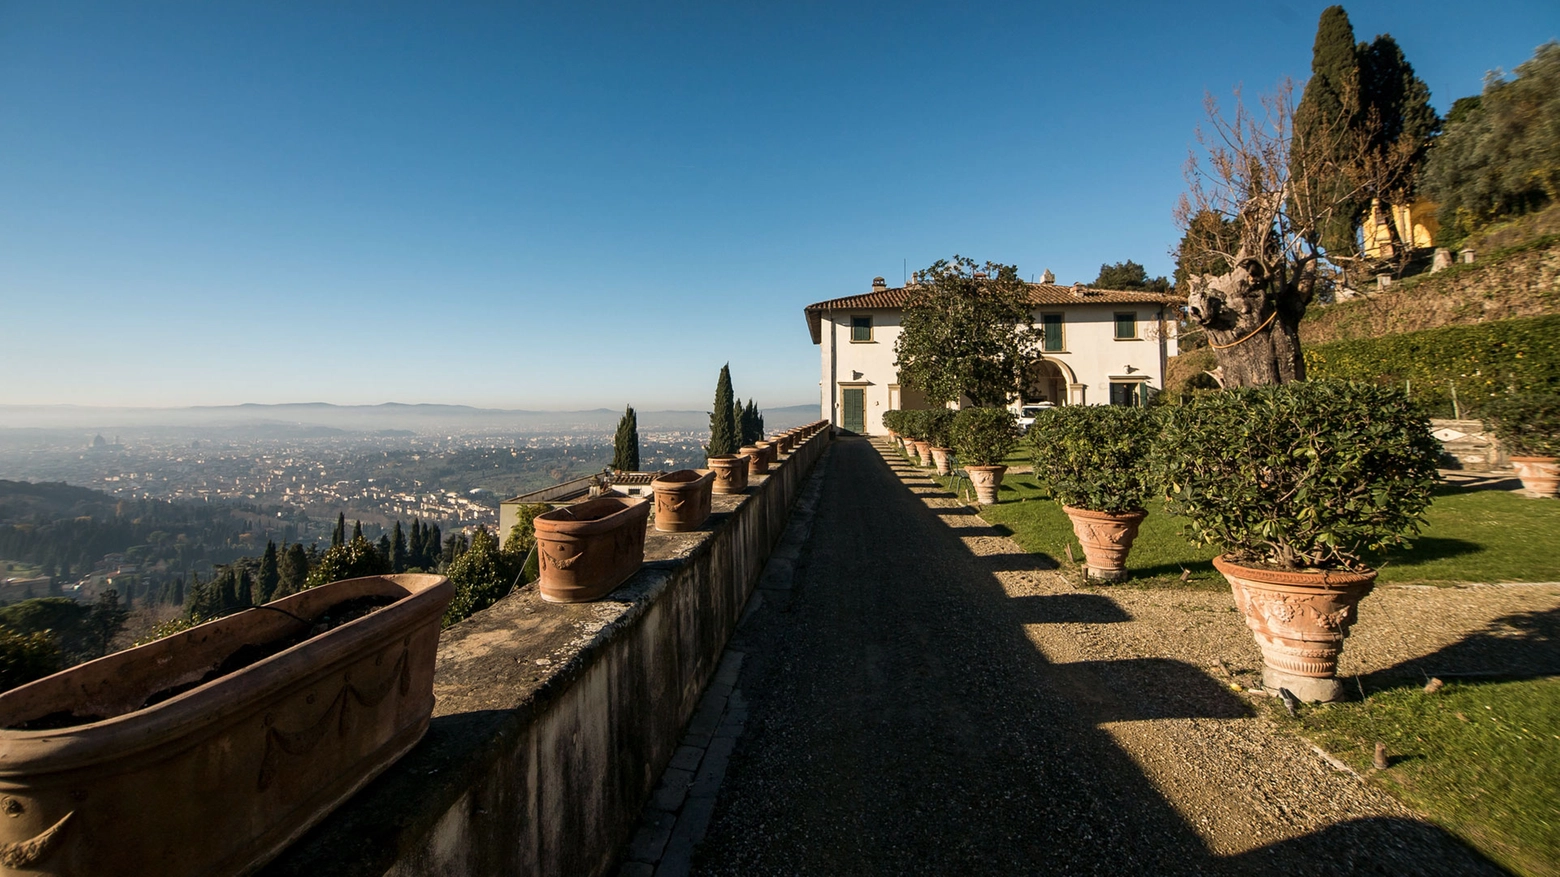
(682, 499)
(1106, 538)
(1540, 475)
(757, 461)
(589, 548)
(1299, 620)
(731, 473)
(770, 450)
(218, 778)
(986, 480)
(940, 459)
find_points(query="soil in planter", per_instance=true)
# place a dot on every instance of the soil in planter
(243, 656)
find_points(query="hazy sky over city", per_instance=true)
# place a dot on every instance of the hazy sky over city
(569, 205)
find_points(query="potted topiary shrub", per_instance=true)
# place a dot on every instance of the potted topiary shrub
(939, 437)
(1528, 426)
(891, 423)
(1293, 483)
(911, 422)
(1094, 459)
(983, 437)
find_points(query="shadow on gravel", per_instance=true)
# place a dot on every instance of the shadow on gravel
(1024, 562)
(1367, 846)
(903, 722)
(1525, 645)
(1067, 609)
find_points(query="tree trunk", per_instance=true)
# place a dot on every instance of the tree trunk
(1253, 322)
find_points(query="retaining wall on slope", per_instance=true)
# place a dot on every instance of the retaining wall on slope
(554, 722)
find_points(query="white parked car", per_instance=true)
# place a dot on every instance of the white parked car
(1028, 413)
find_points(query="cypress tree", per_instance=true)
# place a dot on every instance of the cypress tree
(397, 549)
(1397, 101)
(724, 438)
(414, 545)
(244, 590)
(339, 535)
(1325, 120)
(270, 574)
(295, 570)
(625, 445)
(357, 530)
(431, 544)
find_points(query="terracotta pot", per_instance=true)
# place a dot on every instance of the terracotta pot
(758, 461)
(731, 473)
(912, 451)
(1540, 475)
(682, 499)
(1106, 538)
(784, 442)
(986, 481)
(923, 452)
(1299, 620)
(771, 451)
(940, 458)
(589, 548)
(219, 778)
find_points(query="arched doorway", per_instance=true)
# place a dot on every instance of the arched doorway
(1045, 381)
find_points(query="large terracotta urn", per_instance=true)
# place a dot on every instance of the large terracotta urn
(731, 473)
(1540, 475)
(587, 549)
(757, 460)
(211, 750)
(1106, 538)
(986, 480)
(771, 451)
(923, 452)
(1299, 619)
(940, 457)
(682, 499)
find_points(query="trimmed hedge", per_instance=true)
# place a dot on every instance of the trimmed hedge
(1093, 456)
(1482, 361)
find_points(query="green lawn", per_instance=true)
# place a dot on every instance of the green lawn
(1481, 759)
(1469, 536)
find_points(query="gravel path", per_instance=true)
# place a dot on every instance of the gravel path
(929, 699)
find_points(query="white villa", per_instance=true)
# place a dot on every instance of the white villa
(1101, 347)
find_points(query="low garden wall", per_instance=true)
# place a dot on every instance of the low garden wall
(554, 721)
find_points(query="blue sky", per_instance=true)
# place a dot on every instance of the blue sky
(575, 205)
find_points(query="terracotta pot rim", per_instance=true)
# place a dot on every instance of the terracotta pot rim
(564, 523)
(723, 458)
(980, 468)
(1535, 459)
(682, 479)
(206, 706)
(1135, 515)
(1304, 577)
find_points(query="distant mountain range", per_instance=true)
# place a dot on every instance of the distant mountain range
(322, 418)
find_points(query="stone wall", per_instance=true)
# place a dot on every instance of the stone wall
(1466, 444)
(554, 722)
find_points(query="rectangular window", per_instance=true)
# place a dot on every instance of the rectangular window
(1124, 393)
(1051, 325)
(1126, 327)
(861, 328)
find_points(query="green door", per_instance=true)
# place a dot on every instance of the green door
(854, 418)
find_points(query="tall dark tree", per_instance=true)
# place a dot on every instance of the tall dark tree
(357, 529)
(1322, 148)
(294, 569)
(244, 590)
(397, 549)
(625, 445)
(270, 576)
(751, 424)
(384, 546)
(431, 543)
(1207, 236)
(415, 551)
(339, 535)
(1129, 275)
(724, 438)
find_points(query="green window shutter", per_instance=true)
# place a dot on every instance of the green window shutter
(861, 328)
(1051, 324)
(1126, 326)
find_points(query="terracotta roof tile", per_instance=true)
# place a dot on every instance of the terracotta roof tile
(1040, 295)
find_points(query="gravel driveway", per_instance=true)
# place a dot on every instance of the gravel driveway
(928, 699)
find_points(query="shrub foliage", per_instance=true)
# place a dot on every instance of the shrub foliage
(983, 436)
(1528, 425)
(1308, 474)
(1094, 456)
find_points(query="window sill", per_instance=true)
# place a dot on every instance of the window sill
(853, 341)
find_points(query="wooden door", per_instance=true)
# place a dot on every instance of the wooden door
(854, 405)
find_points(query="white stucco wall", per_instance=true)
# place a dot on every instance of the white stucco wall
(1093, 357)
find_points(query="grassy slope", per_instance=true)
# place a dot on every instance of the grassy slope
(1483, 760)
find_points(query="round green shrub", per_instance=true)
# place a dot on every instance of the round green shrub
(938, 423)
(1301, 475)
(984, 436)
(912, 425)
(1528, 424)
(893, 420)
(1094, 456)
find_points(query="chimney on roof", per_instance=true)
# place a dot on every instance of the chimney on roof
(1048, 278)
(879, 284)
